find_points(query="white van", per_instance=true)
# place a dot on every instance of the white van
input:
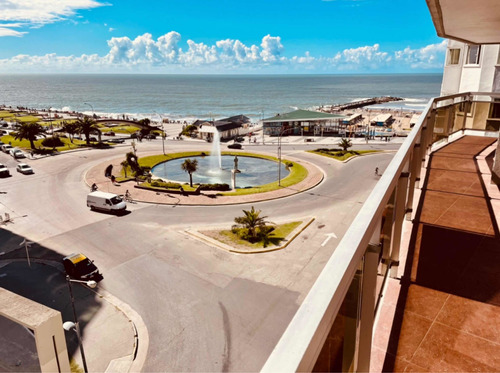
(105, 201)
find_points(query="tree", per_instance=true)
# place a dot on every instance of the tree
(71, 128)
(190, 166)
(29, 131)
(86, 126)
(254, 223)
(133, 162)
(345, 144)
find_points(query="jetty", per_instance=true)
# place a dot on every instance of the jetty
(358, 104)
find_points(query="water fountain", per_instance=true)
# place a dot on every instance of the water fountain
(215, 155)
(252, 171)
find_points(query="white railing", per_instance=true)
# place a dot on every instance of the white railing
(302, 341)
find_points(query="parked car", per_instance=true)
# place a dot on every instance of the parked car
(117, 140)
(17, 153)
(150, 136)
(4, 171)
(6, 148)
(110, 133)
(235, 146)
(239, 139)
(79, 267)
(24, 169)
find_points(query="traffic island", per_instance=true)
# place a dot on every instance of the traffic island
(215, 237)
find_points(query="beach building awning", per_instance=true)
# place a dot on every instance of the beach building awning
(302, 116)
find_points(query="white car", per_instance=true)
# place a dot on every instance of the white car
(4, 171)
(17, 153)
(24, 169)
(6, 148)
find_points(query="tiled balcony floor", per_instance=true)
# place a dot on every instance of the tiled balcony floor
(446, 308)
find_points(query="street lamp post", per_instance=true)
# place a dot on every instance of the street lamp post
(162, 132)
(76, 326)
(93, 113)
(279, 153)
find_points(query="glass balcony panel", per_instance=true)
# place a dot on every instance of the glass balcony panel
(339, 351)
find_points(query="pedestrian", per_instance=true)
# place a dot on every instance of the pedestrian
(376, 171)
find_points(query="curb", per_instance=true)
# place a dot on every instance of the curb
(129, 363)
(196, 234)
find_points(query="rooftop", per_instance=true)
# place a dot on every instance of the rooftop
(304, 115)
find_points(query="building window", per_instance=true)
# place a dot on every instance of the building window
(498, 57)
(495, 110)
(453, 56)
(473, 54)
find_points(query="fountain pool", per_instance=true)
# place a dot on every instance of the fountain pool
(254, 171)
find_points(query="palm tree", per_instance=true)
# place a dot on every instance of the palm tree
(190, 166)
(124, 164)
(345, 144)
(252, 222)
(29, 131)
(71, 128)
(86, 126)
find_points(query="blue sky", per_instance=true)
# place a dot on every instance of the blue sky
(219, 36)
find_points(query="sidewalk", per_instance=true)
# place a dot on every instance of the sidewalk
(109, 334)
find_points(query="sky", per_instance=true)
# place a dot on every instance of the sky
(219, 37)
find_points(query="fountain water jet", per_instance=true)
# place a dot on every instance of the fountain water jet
(215, 155)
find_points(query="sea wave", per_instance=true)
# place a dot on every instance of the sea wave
(415, 100)
(416, 105)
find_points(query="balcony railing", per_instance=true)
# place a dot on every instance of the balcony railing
(335, 321)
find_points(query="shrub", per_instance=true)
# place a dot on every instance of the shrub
(219, 187)
(52, 142)
(163, 184)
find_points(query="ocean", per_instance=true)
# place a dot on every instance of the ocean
(188, 97)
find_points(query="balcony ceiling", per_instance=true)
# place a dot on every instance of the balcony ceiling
(475, 22)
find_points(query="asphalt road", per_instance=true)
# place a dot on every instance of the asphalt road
(205, 309)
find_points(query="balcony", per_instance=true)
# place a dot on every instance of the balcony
(414, 284)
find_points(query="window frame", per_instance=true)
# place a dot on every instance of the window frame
(449, 60)
(478, 55)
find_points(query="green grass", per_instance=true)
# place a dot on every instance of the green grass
(25, 144)
(6, 114)
(28, 119)
(120, 129)
(279, 234)
(340, 155)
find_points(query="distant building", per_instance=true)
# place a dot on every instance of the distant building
(303, 122)
(382, 120)
(228, 128)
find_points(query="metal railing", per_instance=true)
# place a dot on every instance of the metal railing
(376, 233)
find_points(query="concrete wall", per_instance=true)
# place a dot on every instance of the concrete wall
(45, 322)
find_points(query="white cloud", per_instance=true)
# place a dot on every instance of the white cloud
(36, 13)
(164, 54)
(430, 56)
(361, 58)
(271, 48)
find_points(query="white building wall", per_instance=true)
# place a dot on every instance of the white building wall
(464, 77)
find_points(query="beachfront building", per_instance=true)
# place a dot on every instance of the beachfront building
(303, 123)
(413, 285)
(228, 128)
(383, 119)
